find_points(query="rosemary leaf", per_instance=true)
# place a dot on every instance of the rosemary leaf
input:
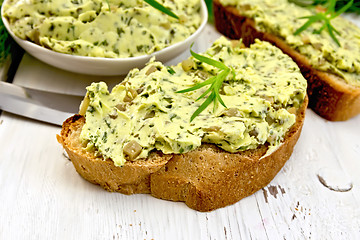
(203, 106)
(331, 7)
(200, 85)
(331, 31)
(171, 70)
(161, 8)
(206, 92)
(218, 85)
(208, 60)
(343, 9)
(310, 21)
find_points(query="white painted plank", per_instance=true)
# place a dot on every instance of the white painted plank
(45, 197)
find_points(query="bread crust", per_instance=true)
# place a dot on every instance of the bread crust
(205, 179)
(132, 177)
(329, 95)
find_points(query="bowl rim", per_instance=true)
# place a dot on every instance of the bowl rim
(203, 15)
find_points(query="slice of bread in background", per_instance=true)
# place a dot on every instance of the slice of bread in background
(205, 179)
(329, 95)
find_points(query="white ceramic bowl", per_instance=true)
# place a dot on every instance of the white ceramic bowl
(104, 66)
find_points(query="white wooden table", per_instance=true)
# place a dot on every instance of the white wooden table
(42, 197)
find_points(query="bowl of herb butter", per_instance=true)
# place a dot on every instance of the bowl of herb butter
(103, 37)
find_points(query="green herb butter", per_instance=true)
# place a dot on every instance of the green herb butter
(102, 28)
(145, 113)
(282, 19)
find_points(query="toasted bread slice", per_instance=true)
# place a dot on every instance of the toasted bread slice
(329, 95)
(205, 179)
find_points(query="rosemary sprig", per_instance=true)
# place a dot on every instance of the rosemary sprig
(170, 70)
(326, 18)
(161, 8)
(215, 83)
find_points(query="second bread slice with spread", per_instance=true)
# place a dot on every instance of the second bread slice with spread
(332, 71)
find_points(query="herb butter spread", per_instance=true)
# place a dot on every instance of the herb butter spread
(282, 19)
(144, 112)
(102, 28)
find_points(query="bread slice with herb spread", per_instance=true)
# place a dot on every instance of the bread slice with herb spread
(332, 71)
(143, 137)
